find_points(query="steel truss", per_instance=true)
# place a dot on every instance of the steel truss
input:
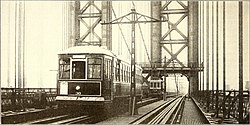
(173, 26)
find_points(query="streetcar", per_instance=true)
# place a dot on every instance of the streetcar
(156, 88)
(94, 76)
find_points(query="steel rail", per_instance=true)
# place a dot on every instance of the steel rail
(145, 118)
(177, 116)
(165, 113)
(85, 120)
(166, 119)
(72, 120)
(46, 120)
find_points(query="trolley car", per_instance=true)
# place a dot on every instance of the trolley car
(155, 88)
(92, 75)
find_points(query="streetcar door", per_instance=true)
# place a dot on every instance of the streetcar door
(78, 69)
(108, 79)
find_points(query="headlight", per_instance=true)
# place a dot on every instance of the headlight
(63, 88)
(78, 88)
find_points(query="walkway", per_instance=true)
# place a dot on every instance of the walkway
(191, 114)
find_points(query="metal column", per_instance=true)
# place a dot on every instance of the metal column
(133, 69)
(75, 23)
(106, 29)
(156, 32)
(155, 37)
(193, 45)
(73, 29)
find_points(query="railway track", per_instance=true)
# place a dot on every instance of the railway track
(52, 116)
(167, 113)
(66, 119)
(22, 117)
(60, 116)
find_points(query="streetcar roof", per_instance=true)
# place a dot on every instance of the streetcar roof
(87, 50)
(91, 50)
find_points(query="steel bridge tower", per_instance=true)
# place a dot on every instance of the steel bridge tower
(162, 35)
(85, 17)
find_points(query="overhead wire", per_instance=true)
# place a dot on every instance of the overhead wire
(143, 40)
(119, 41)
(121, 30)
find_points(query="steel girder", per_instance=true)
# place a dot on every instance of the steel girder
(91, 11)
(173, 26)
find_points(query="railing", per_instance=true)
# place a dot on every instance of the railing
(22, 98)
(231, 103)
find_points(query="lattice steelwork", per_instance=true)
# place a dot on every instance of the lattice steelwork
(175, 36)
(90, 17)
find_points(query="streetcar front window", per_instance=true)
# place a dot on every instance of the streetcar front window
(78, 69)
(64, 68)
(94, 68)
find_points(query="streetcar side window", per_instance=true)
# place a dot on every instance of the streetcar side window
(129, 74)
(117, 71)
(121, 70)
(106, 68)
(64, 68)
(109, 69)
(78, 69)
(125, 73)
(94, 68)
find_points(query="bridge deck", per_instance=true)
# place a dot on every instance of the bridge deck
(191, 114)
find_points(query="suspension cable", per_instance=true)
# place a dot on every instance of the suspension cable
(121, 30)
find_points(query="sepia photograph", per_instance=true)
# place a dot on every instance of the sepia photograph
(125, 62)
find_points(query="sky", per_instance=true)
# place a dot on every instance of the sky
(45, 31)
